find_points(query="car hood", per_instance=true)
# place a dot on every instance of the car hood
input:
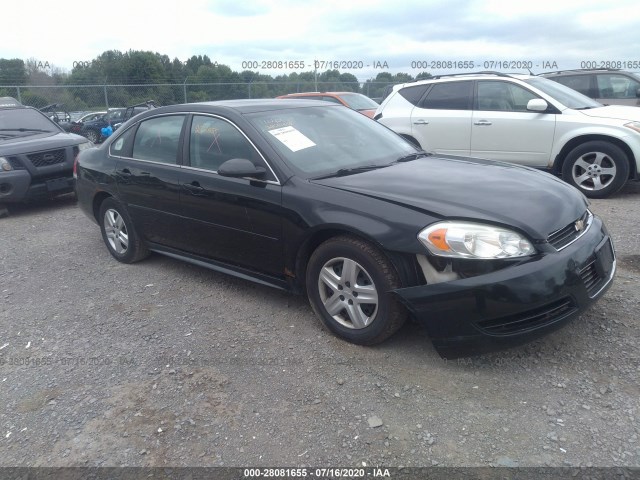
(471, 189)
(620, 112)
(38, 142)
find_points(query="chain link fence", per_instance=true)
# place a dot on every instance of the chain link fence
(101, 97)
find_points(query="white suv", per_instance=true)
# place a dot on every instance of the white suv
(522, 119)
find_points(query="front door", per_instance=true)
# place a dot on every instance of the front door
(232, 220)
(503, 129)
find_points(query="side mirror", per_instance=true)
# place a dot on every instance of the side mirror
(241, 167)
(537, 105)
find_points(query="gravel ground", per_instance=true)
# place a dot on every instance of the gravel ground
(167, 364)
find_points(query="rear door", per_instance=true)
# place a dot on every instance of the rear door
(441, 121)
(504, 130)
(148, 177)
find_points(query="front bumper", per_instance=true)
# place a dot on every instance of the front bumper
(18, 186)
(517, 304)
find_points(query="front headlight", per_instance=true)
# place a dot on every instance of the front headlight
(5, 166)
(633, 126)
(474, 240)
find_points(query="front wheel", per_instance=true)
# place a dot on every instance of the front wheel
(348, 284)
(119, 234)
(92, 136)
(598, 169)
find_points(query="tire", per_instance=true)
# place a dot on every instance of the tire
(598, 169)
(92, 136)
(119, 234)
(337, 296)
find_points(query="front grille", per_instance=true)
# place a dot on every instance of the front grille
(563, 237)
(44, 159)
(591, 278)
(536, 318)
(16, 164)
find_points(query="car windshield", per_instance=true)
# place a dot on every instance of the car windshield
(21, 121)
(318, 141)
(358, 101)
(115, 115)
(565, 95)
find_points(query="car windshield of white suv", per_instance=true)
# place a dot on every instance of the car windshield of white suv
(17, 122)
(319, 141)
(565, 95)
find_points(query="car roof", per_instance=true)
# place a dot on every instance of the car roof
(10, 102)
(318, 94)
(241, 106)
(465, 76)
(585, 71)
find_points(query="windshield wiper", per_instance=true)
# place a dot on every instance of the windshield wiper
(413, 156)
(23, 130)
(350, 171)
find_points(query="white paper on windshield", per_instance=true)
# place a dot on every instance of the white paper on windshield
(292, 138)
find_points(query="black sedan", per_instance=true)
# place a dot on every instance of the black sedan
(320, 200)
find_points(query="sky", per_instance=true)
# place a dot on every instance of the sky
(365, 37)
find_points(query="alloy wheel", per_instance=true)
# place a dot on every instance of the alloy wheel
(116, 231)
(594, 171)
(348, 293)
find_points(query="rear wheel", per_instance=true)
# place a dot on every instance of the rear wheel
(348, 284)
(598, 169)
(119, 234)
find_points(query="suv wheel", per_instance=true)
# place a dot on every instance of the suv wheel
(598, 169)
(348, 284)
(118, 233)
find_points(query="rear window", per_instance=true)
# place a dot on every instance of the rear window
(577, 82)
(449, 96)
(413, 94)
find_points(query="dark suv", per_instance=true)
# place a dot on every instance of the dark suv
(114, 118)
(36, 154)
(607, 86)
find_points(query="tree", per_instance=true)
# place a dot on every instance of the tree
(12, 72)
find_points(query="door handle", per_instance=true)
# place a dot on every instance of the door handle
(194, 188)
(421, 122)
(482, 123)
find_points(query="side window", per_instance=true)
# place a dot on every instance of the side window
(580, 83)
(157, 139)
(449, 96)
(503, 97)
(413, 94)
(121, 147)
(616, 86)
(213, 141)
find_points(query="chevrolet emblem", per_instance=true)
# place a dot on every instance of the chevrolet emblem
(579, 225)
